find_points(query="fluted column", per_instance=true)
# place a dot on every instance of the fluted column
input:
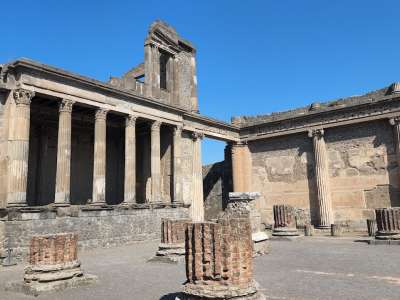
(99, 167)
(18, 147)
(197, 207)
(177, 175)
(322, 178)
(155, 162)
(130, 160)
(63, 175)
(241, 167)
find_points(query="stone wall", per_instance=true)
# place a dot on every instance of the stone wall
(96, 228)
(362, 167)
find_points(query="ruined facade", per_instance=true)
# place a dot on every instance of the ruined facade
(110, 159)
(334, 162)
(106, 160)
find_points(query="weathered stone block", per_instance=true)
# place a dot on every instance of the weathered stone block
(388, 222)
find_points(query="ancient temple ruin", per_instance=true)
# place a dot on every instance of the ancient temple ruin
(110, 159)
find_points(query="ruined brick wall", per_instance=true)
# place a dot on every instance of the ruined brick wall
(173, 230)
(96, 228)
(362, 167)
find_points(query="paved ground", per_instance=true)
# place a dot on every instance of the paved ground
(308, 268)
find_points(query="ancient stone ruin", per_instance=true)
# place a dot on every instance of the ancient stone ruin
(53, 265)
(285, 223)
(388, 222)
(245, 202)
(219, 263)
(172, 246)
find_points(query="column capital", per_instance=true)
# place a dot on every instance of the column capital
(394, 121)
(178, 130)
(130, 120)
(101, 114)
(66, 105)
(316, 132)
(197, 135)
(155, 125)
(22, 96)
(239, 144)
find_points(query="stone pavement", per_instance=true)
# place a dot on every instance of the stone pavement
(307, 268)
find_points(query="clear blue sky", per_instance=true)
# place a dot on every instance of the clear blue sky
(254, 57)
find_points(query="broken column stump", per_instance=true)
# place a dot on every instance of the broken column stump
(219, 260)
(172, 246)
(53, 265)
(371, 226)
(285, 223)
(246, 201)
(308, 230)
(388, 223)
(336, 230)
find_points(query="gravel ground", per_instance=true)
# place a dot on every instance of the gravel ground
(307, 268)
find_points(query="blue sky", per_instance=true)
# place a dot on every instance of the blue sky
(254, 57)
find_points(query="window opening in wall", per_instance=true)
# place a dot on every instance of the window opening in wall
(164, 57)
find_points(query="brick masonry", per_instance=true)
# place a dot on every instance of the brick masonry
(95, 227)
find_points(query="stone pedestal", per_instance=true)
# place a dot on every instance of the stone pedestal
(308, 230)
(388, 223)
(172, 246)
(219, 263)
(245, 201)
(53, 265)
(336, 230)
(371, 226)
(285, 223)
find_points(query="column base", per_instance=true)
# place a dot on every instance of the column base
(61, 204)
(16, 205)
(385, 235)
(285, 231)
(98, 204)
(323, 226)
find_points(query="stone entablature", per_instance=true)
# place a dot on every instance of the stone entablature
(382, 105)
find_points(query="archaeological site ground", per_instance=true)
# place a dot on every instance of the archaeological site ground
(103, 194)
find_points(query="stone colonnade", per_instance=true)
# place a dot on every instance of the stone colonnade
(18, 145)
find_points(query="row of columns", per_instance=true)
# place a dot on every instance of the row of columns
(19, 150)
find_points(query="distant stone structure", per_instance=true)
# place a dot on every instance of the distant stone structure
(285, 223)
(388, 222)
(219, 262)
(245, 202)
(172, 246)
(53, 265)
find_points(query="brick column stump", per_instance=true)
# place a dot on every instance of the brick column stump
(245, 201)
(172, 246)
(53, 265)
(388, 223)
(219, 260)
(285, 224)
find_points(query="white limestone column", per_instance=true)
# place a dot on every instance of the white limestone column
(130, 160)
(63, 175)
(197, 207)
(18, 147)
(99, 167)
(177, 175)
(322, 178)
(155, 162)
(241, 167)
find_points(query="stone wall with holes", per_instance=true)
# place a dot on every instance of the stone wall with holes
(95, 228)
(362, 169)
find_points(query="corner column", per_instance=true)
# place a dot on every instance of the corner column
(395, 122)
(322, 178)
(18, 148)
(197, 207)
(155, 162)
(99, 167)
(177, 175)
(63, 175)
(241, 167)
(130, 160)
